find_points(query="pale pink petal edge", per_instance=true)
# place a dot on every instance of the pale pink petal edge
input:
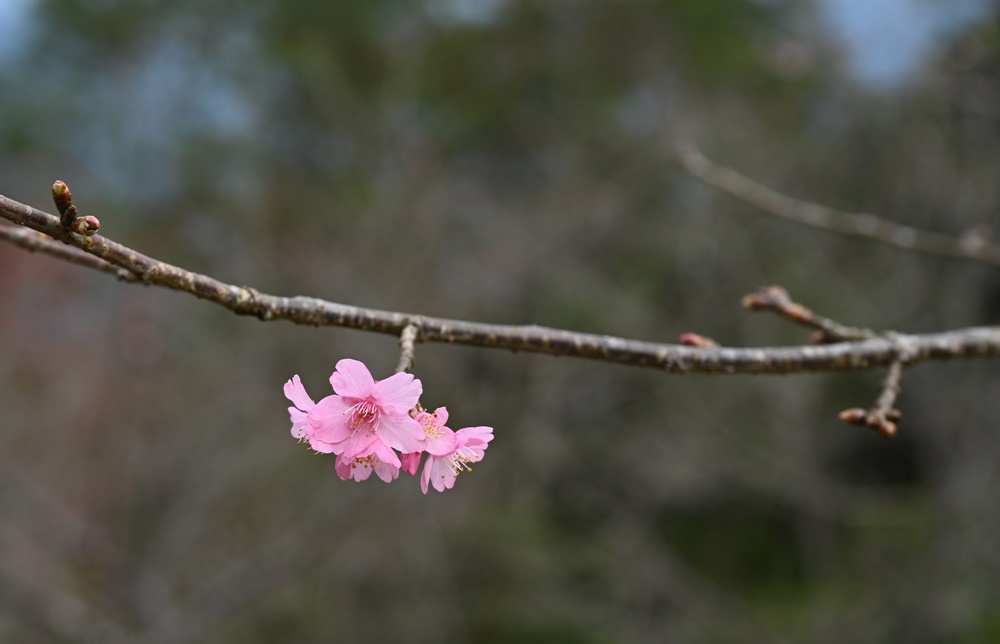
(295, 392)
(352, 379)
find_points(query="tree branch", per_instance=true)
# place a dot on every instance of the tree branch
(974, 245)
(856, 355)
(37, 242)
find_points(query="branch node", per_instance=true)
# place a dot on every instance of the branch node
(821, 337)
(252, 304)
(884, 416)
(407, 339)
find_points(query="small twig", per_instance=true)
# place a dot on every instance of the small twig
(406, 341)
(890, 390)
(37, 242)
(776, 299)
(884, 415)
(973, 245)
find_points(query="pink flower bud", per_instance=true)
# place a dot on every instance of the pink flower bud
(86, 226)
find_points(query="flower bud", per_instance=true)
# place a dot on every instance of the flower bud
(700, 341)
(854, 416)
(87, 226)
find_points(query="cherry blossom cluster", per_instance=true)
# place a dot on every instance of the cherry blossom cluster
(367, 420)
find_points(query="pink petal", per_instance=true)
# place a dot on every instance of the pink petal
(328, 420)
(387, 456)
(410, 463)
(475, 454)
(352, 379)
(442, 415)
(475, 436)
(321, 446)
(399, 392)
(295, 392)
(356, 444)
(343, 468)
(360, 471)
(425, 476)
(442, 445)
(386, 472)
(402, 433)
(349, 468)
(383, 453)
(299, 419)
(439, 473)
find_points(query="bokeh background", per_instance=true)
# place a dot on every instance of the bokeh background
(508, 161)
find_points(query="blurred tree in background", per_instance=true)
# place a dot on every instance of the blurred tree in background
(504, 161)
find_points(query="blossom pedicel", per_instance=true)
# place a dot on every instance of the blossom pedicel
(367, 420)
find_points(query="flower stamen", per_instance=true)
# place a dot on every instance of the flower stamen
(364, 414)
(433, 427)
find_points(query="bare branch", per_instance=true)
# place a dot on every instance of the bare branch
(974, 245)
(863, 354)
(37, 242)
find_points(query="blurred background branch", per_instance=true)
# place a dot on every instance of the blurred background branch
(973, 245)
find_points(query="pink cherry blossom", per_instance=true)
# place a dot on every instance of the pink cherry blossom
(365, 412)
(373, 459)
(438, 439)
(470, 447)
(299, 414)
